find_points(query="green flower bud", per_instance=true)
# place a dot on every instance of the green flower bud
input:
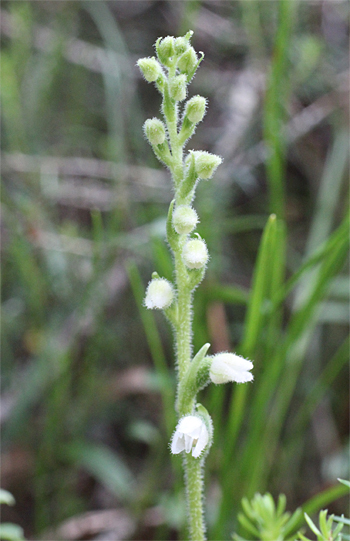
(195, 254)
(195, 109)
(185, 219)
(178, 87)
(206, 163)
(166, 50)
(188, 61)
(181, 45)
(155, 131)
(150, 68)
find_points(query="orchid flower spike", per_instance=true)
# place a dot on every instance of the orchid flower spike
(191, 435)
(227, 367)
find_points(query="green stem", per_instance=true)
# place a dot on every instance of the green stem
(183, 325)
(194, 491)
(183, 331)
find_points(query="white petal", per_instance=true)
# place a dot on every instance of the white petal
(191, 435)
(177, 444)
(239, 362)
(230, 367)
(241, 377)
(189, 424)
(201, 442)
(188, 443)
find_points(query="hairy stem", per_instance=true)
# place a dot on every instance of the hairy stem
(183, 331)
(194, 491)
(183, 328)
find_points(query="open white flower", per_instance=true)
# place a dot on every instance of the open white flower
(227, 367)
(191, 434)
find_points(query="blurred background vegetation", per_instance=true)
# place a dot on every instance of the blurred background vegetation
(87, 373)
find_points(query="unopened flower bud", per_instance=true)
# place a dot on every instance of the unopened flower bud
(181, 45)
(166, 50)
(188, 61)
(150, 68)
(195, 109)
(159, 294)
(155, 131)
(178, 87)
(206, 163)
(227, 367)
(195, 254)
(185, 219)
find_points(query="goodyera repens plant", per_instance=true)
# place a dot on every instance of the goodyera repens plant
(173, 70)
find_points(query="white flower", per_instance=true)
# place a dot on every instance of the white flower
(227, 367)
(159, 294)
(191, 434)
(195, 254)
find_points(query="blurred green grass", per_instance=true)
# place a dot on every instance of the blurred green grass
(87, 373)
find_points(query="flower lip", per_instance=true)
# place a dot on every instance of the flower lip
(191, 435)
(227, 367)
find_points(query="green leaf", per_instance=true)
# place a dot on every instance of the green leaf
(105, 466)
(188, 387)
(276, 105)
(312, 526)
(248, 525)
(324, 498)
(325, 525)
(255, 313)
(344, 482)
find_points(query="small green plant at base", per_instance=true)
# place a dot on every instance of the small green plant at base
(326, 531)
(266, 521)
(175, 67)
